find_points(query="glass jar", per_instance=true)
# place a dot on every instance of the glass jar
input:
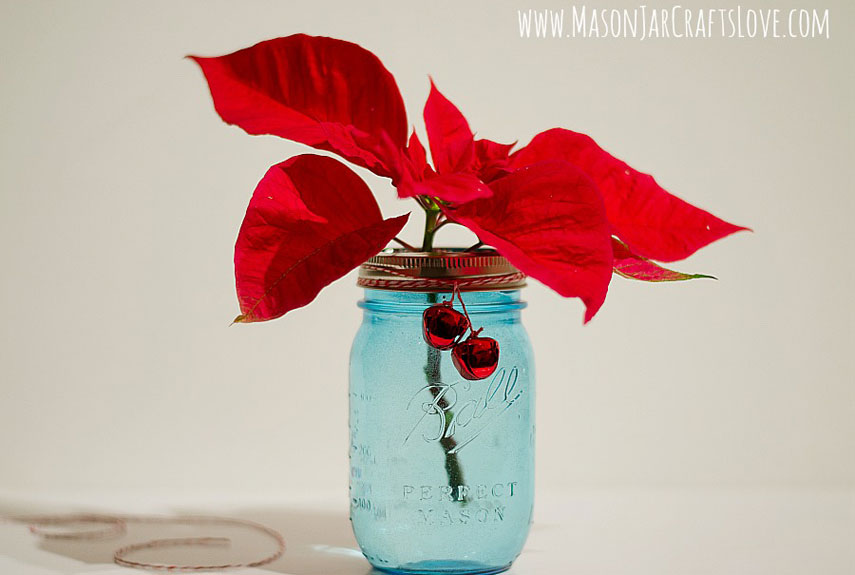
(441, 467)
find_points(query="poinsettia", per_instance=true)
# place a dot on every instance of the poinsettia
(561, 209)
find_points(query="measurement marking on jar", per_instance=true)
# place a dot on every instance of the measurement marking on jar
(444, 400)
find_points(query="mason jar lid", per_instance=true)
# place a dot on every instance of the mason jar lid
(442, 269)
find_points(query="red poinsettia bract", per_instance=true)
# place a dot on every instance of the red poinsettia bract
(561, 209)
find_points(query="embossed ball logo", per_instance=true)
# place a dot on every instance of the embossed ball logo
(461, 410)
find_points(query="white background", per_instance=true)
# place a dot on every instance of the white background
(122, 193)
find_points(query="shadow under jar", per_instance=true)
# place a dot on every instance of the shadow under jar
(441, 467)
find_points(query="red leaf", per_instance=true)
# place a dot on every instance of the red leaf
(310, 221)
(548, 219)
(455, 150)
(416, 154)
(491, 159)
(414, 177)
(318, 91)
(654, 223)
(451, 142)
(632, 266)
(458, 188)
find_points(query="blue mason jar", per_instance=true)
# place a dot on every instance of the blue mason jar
(441, 467)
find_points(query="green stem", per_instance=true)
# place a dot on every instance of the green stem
(431, 219)
(433, 361)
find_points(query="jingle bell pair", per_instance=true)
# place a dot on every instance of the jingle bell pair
(444, 327)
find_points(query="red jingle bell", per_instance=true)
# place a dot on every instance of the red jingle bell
(443, 325)
(477, 357)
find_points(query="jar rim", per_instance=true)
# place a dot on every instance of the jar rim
(398, 269)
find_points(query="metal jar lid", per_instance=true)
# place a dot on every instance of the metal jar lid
(477, 270)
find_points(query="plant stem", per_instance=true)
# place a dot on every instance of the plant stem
(432, 374)
(433, 361)
(431, 218)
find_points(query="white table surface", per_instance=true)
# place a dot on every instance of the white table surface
(775, 532)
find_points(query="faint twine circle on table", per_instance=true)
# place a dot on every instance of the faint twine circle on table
(116, 526)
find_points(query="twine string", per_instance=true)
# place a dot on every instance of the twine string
(109, 526)
(462, 304)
